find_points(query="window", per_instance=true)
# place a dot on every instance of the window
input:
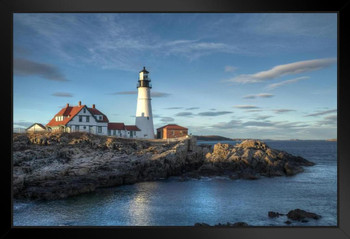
(87, 118)
(59, 118)
(114, 132)
(84, 110)
(80, 118)
(99, 129)
(77, 128)
(84, 127)
(173, 132)
(101, 117)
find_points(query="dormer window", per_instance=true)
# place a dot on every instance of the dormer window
(59, 118)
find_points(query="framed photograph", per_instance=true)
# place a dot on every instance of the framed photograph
(177, 119)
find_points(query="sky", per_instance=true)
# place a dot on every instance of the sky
(239, 75)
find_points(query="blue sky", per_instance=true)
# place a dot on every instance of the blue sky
(236, 75)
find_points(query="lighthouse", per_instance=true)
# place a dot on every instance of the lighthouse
(144, 118)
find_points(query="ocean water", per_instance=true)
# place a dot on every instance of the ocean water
(172, 202)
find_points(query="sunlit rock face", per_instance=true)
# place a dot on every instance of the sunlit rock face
(58, 165)
(251, 159)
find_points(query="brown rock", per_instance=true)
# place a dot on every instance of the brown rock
(299, 215)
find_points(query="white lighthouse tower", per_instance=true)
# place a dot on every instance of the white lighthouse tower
(144, 118)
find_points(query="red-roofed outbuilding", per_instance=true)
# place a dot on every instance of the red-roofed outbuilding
(171, 131)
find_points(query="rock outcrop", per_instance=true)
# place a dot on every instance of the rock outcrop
(301, 215)
(296, 215)
(274, 214)
(58, 165)
(51, 166)
(250, 159)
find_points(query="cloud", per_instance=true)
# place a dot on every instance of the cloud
(192, 108)
(283, 70)
(280, 111)
(153, 94)
(227, 125)
(254, 110)
(193, 49)
(22, 123)
(125, 93)
(286, 82)
(112, 41)
(167, 119)
(184, 114)
(330, 120)
(323, 112)
(230, 68)
(62, 94)
(173, 108)
(331, 117)
(280, 125)
(262, 117)
(159, 94)
(25, 67)
(216, 113)
(258, 123)
(246, 106)
(261, 95)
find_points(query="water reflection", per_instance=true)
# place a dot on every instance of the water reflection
(139, 208)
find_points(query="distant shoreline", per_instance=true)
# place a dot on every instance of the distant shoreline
(211, 137)
(218, 138)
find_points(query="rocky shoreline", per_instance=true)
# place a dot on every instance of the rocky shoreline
(296, 215)
(59, 165)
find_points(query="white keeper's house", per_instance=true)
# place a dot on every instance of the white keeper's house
(81, 118)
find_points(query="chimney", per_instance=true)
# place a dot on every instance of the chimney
(79, 103)
(93, 106)
(67, 105)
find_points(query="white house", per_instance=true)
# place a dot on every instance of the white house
(79, 118)
(36, 127)
(132, 131)
(84, 119)
(116, 129)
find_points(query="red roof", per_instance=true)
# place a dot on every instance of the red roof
(70, 111)
(95, 111)
(173, 126)
(116, 126)
(132, 128)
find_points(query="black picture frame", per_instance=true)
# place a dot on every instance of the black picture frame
(342, 8)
